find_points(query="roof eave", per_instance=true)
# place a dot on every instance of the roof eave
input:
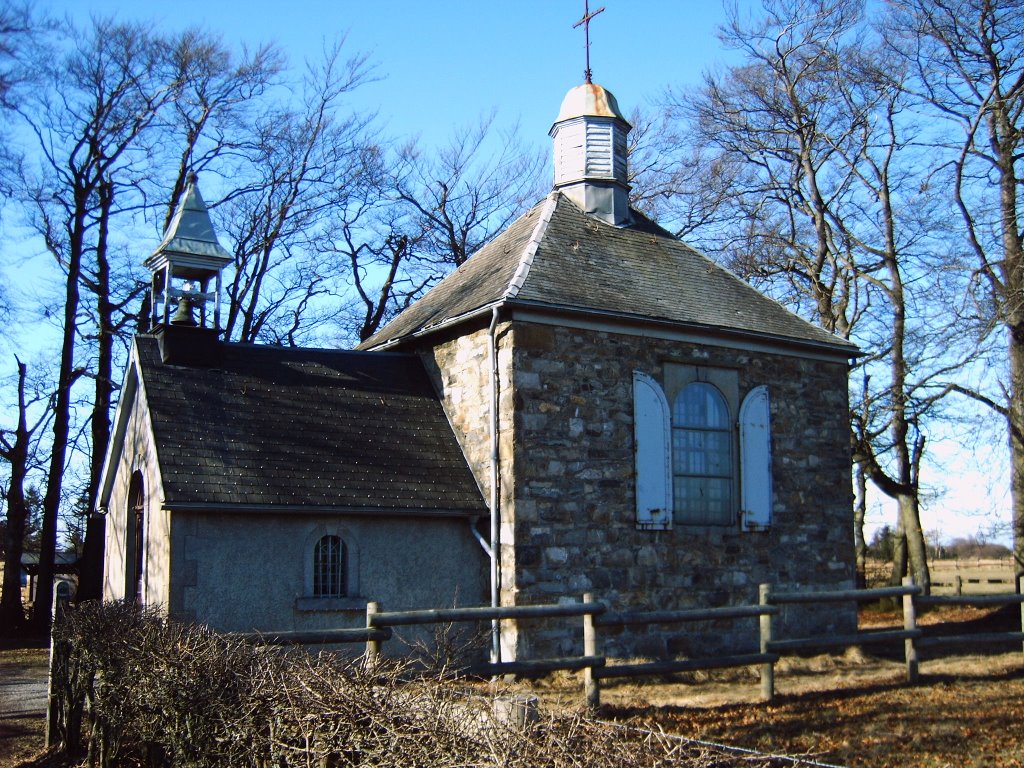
(309, 509)
(122, 414)
(429, 330)
(839, 348)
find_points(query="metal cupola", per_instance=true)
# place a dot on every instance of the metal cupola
(590, 153)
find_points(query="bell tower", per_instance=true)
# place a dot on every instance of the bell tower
(186, 279)
(590, 153)
(590, 145)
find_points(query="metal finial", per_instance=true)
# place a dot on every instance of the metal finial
(585, 23)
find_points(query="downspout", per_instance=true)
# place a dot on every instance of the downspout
(495, 552)
(484, 544)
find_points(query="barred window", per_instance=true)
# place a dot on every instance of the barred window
(330, 556)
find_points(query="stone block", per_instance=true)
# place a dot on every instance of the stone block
(556, 555)
(647, 556)
(526, 380)
(534, 338)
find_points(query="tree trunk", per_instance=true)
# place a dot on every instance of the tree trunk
(916, 548)
(899, 554)
(12, 613)
(860, 548)
(1016, 431)
(90, 583)
(61, 422)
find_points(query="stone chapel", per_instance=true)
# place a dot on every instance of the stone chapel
(587, 404)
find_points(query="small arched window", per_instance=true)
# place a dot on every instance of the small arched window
(330, 565)
(702, 456)
(135, 540)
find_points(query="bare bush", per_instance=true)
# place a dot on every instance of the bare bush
(160, 693)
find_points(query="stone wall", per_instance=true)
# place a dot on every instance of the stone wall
(571, 504)
(460, 369)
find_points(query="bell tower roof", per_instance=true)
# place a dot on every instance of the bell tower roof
(190, 234)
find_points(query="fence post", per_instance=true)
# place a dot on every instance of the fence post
(591, 686)
(56, 682)
(958, 585)
(910, 624)
(765, 622)
(1017, 579)
(372, 646)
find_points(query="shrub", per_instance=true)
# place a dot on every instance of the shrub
(162, 693)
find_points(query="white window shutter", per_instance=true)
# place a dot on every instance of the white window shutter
(652, 434)
(756, 460)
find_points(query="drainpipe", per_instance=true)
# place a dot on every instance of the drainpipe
(495, 494)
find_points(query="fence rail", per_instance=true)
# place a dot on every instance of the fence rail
(595, 616)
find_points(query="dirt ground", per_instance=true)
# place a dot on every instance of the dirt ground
(856, 709)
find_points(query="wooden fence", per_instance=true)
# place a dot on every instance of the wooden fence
(596, 616)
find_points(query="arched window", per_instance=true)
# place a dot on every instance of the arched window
(330, 565)
(702, 456)
(135, 536)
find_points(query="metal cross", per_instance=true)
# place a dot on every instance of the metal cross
(585, 23)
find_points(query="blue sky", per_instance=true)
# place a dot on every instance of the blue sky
(442, 64)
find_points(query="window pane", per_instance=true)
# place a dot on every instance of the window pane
(702, 460)
(700, 405)
(703, 500)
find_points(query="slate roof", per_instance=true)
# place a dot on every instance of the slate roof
(305, 429)
(557, 257)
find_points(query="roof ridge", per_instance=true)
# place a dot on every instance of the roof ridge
(530, 251)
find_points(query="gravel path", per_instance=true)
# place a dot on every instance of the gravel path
(22, 690)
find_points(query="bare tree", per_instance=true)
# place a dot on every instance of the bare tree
(218, 99)
(470, 190)
(897, 229)
(17, 27)
(377, 253)
(103, 94)
(17, 449)
(968, 56)
(773, 134)
(307, 162)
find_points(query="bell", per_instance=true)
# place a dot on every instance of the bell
(183, 314)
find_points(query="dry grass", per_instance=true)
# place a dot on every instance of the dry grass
(856, 709)
(964, 712)
(846, 709)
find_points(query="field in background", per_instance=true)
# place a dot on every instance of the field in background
(978, 576)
